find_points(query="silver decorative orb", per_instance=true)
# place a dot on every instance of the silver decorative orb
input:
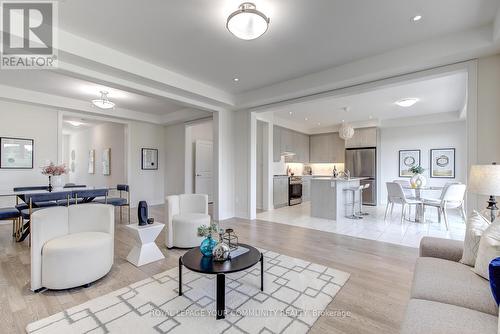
(221, 252)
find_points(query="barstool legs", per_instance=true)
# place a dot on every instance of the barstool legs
(352, 204)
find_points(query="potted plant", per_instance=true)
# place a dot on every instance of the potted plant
(418, 180)
(52, 170)
(208, 244)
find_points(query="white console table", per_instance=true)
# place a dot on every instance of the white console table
(145, 250)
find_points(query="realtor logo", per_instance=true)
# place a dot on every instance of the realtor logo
(29, 38)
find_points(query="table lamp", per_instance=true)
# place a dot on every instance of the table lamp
(485, 180)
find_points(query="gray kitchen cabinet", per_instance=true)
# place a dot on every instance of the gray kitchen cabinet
(365, 137)
(276, 144)
(280, 191)
(306, 188)
(286, 140)
(338, 148)
(327, 148)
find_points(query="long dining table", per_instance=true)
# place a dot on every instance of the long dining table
(23, 194)
(419, 214)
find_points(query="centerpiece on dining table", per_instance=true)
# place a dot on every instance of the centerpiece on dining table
(52, 170)
(418, 180)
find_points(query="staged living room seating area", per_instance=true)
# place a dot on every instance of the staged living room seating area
(273, 166)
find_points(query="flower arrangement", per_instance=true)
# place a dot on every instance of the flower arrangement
(54, 170)
(417, 170)
(205, 231)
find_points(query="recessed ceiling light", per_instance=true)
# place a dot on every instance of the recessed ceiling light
(370, 117)
(236, 79)
(407, 102)
(417, 18)
(103, 102)
(247, 22)
(306, 119)
(319, 123)
(74, 123)
(290, 112)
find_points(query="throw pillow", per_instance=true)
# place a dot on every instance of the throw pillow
(489, 248)
(495, 279)
(476, 224)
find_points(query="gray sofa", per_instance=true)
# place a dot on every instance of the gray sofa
(447, 296)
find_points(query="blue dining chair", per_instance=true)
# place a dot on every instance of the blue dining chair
(11, 214)
(37, 201)
(89, 195)
(120, 201)
(24, 205)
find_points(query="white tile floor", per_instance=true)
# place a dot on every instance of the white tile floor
(372, 226)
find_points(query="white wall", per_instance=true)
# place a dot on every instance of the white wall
(242, 154)
(31, 122)
(98, 138)
(146, 185)
(424, 138)
(488, 110)
(194, 132)
(174, 159)
(224, 164)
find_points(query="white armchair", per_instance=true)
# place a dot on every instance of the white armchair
(184, 214)
(71, 246)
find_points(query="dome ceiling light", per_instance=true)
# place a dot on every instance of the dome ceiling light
(247, 22)
(103, 102)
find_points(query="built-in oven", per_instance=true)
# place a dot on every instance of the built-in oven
(294, 190)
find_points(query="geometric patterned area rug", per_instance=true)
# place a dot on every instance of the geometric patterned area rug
(296, 293)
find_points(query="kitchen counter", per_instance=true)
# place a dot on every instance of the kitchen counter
(328, 199)
(338, 179)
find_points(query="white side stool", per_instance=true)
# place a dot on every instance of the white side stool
(145, 250)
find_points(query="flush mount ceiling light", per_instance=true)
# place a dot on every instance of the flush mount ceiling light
(247, 22)
(417, 18)
(74, 123)
(103, 102)
(407, 102)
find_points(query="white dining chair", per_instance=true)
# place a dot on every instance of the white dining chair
(408, 192)
(396, 195)
(452, 197)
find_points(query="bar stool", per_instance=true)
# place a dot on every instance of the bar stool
(352, 190)
(361, 188)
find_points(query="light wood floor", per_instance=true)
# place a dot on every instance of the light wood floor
(375, 296)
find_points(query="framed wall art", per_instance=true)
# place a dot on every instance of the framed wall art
(106, 161)
(91, 161)
(16, 153)
(149, 158)
(443, 163)
(407, 160)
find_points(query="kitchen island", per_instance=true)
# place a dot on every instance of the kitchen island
(328, 199)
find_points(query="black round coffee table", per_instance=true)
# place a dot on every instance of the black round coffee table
(195, 261)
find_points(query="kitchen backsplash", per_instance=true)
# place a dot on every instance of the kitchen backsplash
(317, 169)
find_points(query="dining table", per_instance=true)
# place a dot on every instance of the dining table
(21, 195)
(419, 212)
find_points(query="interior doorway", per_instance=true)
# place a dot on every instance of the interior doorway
(94, 151)
(198, 178)
(203, 168)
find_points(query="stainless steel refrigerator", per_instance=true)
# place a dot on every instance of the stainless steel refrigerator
(362, 162)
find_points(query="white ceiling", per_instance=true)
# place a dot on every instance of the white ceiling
(86, 123)
(445, 94)
(51, 82)
(190, 38)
